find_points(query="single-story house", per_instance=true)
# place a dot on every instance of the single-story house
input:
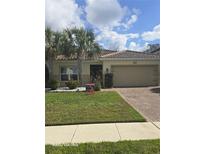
(129, 68)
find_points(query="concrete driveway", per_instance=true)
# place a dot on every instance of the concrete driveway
(145, 100)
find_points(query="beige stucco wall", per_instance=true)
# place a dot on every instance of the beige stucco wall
(107, 64)
(85, 70)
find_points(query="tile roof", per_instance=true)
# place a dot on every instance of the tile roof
(131, 54)
(74, 57)
(110, 54)
(64, 57)
(105, 52)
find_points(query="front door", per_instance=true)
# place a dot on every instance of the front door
(96, 73)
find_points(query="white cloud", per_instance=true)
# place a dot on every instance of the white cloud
(152, 35)
(104, 13)
(130, 22)
(60, 14)
(134, 14)
(136, 11)
(115, 41)
(133, 46)
(136, 47)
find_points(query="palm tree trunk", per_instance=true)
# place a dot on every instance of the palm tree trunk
(79, 69)
(49, 63)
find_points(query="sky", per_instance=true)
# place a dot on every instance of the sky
(117, 24)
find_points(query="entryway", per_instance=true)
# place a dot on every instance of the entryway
(96, 73)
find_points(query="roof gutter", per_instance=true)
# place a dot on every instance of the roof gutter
(124, 59)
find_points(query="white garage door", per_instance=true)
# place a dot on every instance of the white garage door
(132, 76)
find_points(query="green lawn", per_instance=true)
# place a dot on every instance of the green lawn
(75, 108)
(121, 147)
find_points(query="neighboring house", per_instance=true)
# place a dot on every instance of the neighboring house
(129, 68)
(152, 48)
(157, 51)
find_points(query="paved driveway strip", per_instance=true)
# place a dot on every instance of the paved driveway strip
(145, 100)
(100, 132)
(136, 131)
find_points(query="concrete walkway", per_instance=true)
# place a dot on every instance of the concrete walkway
(101, 132)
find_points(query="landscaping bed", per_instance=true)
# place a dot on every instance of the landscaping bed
(80, 107)
(121, 147)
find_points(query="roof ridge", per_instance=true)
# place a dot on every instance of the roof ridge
(135, 51)
(130, 54)
(141, 52)
(109, 50)
(111, 54)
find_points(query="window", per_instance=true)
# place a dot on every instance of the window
(64, 75)
(68, 74)
(74, 77)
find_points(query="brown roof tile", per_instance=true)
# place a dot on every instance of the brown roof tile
(115, 55)
(74, 57)
(131, 54)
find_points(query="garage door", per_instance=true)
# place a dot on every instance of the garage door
(132, 76)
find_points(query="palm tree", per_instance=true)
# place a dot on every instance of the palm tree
(84, 46)
(78, 42)
(48, 53)
(67, 44)
(48, 43)
(52, 47)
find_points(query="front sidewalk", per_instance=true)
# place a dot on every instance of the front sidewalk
(101, 132)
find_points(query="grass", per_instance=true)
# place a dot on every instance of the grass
(75, 108)
(121, 147)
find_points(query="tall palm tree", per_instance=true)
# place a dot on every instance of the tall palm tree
(67, 44)
(79, 42)
(52, 46)
(48, 43)
(84, 46)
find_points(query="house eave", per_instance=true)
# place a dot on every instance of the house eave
(125, 59)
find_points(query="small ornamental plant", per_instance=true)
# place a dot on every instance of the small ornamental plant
(72, 84)
(97, 86)
(53, 84)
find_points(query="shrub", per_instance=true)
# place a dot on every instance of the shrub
(72, 84)
(53, 84)
(108, 80)
(97, 86)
